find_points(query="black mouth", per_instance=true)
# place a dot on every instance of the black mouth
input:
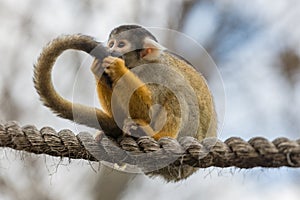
(117, 54)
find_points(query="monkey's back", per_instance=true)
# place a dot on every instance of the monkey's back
(183, 95)
(208, 118)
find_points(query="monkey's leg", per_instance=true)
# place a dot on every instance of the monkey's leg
(138, 128)
(144, 118)
(123, 83)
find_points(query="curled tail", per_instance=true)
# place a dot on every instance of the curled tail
(79, 113)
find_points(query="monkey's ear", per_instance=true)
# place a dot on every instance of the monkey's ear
(151, 50)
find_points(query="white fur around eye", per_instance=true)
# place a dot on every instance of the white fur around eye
(127, 46)
(116, 48)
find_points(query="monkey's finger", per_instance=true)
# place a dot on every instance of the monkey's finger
(108, 61)
(107, 70)
(97, 69)
(111, 59)
(106, 65)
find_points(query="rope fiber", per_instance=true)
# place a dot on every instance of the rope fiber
(257, 152)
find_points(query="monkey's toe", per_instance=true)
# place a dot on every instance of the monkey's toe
(99, 136)
(132, 129)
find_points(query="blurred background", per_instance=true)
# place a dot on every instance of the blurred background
(255, 45)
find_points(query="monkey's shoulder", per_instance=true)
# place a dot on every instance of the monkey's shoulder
(179, 57)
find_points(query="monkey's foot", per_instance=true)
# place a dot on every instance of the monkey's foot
(133, 129)
(99, 136)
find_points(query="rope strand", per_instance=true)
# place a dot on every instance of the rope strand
(257, 152)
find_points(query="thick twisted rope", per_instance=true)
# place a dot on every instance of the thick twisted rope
(234, 151)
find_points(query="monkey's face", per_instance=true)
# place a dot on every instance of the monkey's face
(119, 45)
(122, 44)
(136, 47)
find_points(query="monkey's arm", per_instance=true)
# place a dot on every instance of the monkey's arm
(140, 100)
(103, 86)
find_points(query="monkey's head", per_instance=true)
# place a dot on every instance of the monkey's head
(134, 43)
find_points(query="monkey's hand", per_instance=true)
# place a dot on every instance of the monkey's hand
(97, 69)
(114, 67)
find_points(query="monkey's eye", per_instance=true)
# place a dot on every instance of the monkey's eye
(121, 44)
(111, 44)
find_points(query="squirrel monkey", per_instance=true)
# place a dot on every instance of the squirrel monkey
(152, 109)
(143, 89)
